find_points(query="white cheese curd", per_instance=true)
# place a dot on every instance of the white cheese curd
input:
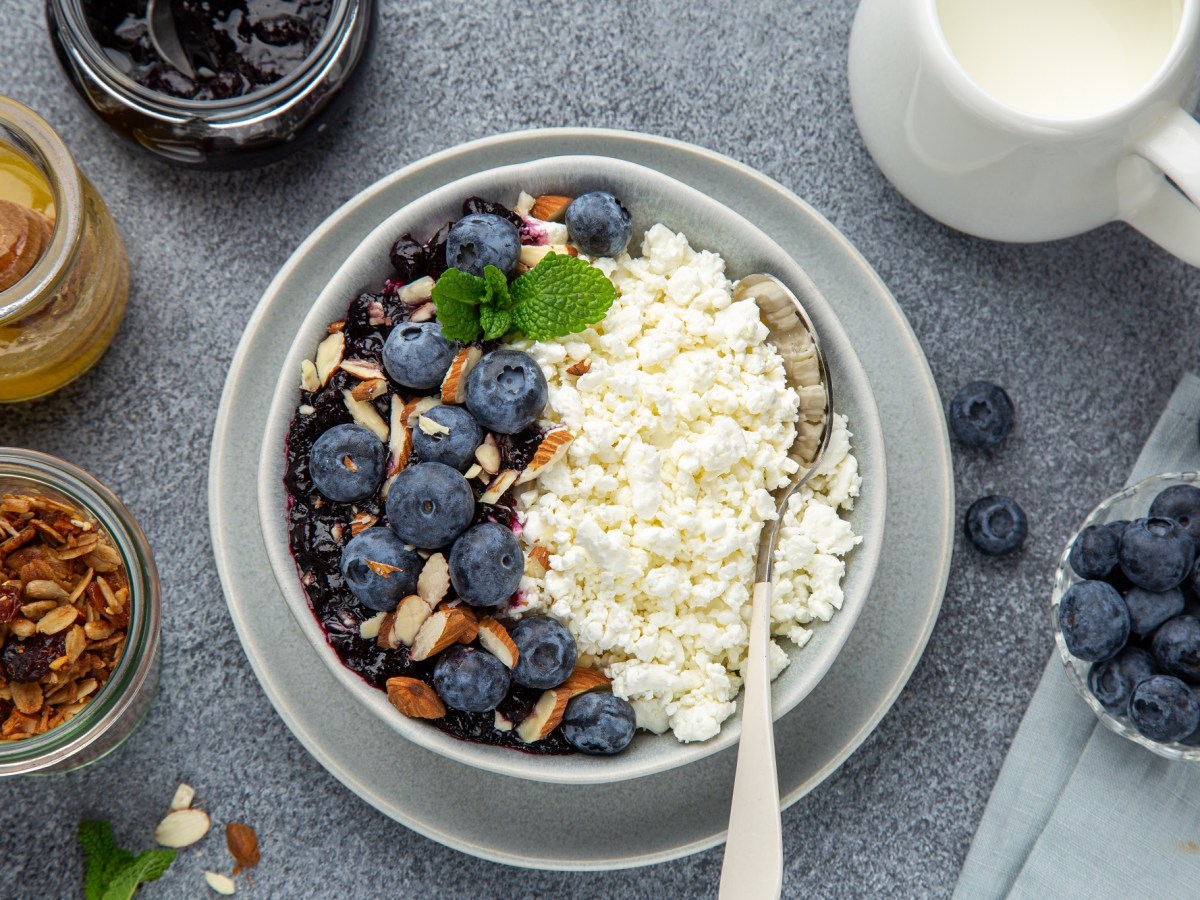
(682, 427)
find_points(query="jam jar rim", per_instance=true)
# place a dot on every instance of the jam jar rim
(136, 665)
(37, 139)
(155, 103)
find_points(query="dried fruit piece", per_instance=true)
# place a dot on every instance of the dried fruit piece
(454, 385)
(182, 828)
(443, 629)
(550, 450)
(242, 842)
(434, 581)
(414, 698)
(494, 638)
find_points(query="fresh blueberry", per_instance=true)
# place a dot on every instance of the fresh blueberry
(480, 240)
(1112, 680)
(981, 414)
(1156, 554)
(547, 652)
(430, 504)
(1093, 620)
(598, 224)
(996, 525)
(380, 588)
(1164, 709)
(1176, 646)
(469, 679)
(1148, 610)
(1117, 527)
(1094, 553)
(486, 564)
(417, 356)
(507, 391)
(1180, 502)
(346, 463)
(455, 448)
(599, 723)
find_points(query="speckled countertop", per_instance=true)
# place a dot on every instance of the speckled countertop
(1089, 336)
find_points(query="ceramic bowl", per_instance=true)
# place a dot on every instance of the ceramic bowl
(652, 197)
(1131, 503)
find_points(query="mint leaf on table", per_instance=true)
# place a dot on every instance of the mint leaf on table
(559, 296)
(494, 321)
(147, 866)
(456, 296)
(112, 873)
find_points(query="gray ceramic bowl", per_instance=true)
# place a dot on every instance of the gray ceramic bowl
(651, 197)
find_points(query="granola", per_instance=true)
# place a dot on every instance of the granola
(64, 613)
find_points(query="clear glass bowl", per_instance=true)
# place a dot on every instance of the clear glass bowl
(1131, 503)
(121, 704)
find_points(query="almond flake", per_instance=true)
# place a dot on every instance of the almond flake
(182, 828)
(434, 581)
(441, 630)
(472, 472)
(423, 313)
(368, 630)
(369, 390)
(580, 368)
(503, 722)
(222, 884)
(366, 415)
(488, 455)
(538, 562)
(431, 427)
(184, 795)
(495, 639)
(499, 486)
(550, 207)
(400, 441)
(414, 698)
(551, 449)
(454, 385)
(416, 292)
(362, 369)
(361, 522)
(546, 715)
(329, 356)
(383, 570)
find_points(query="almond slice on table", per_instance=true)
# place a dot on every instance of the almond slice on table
(434, 581)
(443, 629)
(182, 828)
(184, 795)
(221, 884)
(495, 639)
(414, 698)
(329, 356)
(550, 450)
(550, 207)
(548, 712)
(454, 385)
(242, 842)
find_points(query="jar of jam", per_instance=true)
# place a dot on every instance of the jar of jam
(64, 276)
(266, 76)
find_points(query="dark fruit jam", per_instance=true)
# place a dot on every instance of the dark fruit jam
(235, 46)
(318, 528)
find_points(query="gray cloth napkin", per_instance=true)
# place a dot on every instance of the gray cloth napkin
(1078, 811)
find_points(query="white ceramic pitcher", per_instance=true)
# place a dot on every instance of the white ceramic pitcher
(996, 171)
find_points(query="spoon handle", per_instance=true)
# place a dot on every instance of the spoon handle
(753, 864)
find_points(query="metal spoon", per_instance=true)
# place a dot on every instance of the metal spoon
(753, 863)
(164, 35)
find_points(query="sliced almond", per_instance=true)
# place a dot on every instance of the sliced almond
(361, 522)
(383, 570)
(503, 722)
(495, 639)
(45, 590)
(431, 427)
(434, 581)
(182, 828)
(222, 884)
(423, 313)
(368, 629)
(410, 615)
(499, 486)
(487, 455)
(400, 442)
(385, 636)
(38, 608)
(363, 369)
(414, 409)
(454, 385)
(184, 795)
(58, 620)
(582, 680)
(551, 449)
(546, 715)
(329, 356)
(366, 415)
(550, 207)
(414, 698)
(416, 292)
(537, 563)
(339, 325)
(369, 390)
(97, 631)
(441, 630)
(580, 368)
(472, 472)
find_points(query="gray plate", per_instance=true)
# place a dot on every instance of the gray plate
(662, 816)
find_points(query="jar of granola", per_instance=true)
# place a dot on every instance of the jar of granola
(64, 277)
(79, 617)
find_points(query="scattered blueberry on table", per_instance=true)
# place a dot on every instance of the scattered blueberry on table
(981, 415)
(996, 525)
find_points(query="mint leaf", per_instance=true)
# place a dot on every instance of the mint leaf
(497, 289)
(148, 866)
(495, 321)
(559, 296)
(456, 297)
(102, 857)
(454, 284)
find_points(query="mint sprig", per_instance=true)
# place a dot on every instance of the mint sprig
(112, 873)
(559, 296)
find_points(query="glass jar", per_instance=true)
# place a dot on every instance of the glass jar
(57, 320)
(122, 701)
(239, 132)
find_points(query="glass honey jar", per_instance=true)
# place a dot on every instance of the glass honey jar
(64, 275)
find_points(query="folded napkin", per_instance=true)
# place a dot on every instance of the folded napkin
(1078, 811)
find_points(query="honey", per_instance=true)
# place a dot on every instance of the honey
(23, 183)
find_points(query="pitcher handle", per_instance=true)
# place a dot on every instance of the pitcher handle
(1149, 202)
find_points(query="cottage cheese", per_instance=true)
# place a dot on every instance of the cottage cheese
(682, 427)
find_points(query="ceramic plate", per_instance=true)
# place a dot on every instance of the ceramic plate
(655, 198)
(672, 813)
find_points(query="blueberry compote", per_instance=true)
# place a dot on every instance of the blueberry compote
(236, 46)
(315, 523)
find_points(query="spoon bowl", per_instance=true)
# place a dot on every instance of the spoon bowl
(164, 36)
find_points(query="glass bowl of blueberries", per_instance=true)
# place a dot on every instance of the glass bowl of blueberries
(1126, 610)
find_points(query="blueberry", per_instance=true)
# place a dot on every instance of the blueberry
(1093, 620)
(1180, 502)
(996, 525)
(346, 463)
(1094, 553)
(599, 723)
(1148, 610)
(598, 224)
(981, 414)
(507, 391)
(416, 355)
(482, 239)
(456, 448)
(1176, 646)
(1156, 554)
(469, 679)
(376, 589)
(1112, 680)
(429, 505)
(547, 652)
(1164, 709)
(486, 564)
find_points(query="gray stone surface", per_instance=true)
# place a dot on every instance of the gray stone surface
(1089, 336)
